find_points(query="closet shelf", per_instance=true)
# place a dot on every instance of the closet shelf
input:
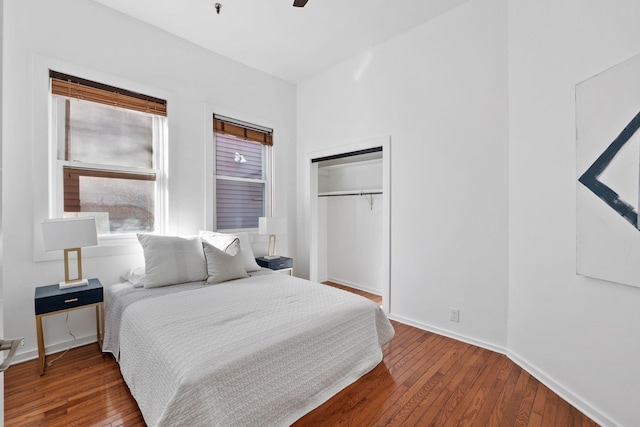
(350, 192)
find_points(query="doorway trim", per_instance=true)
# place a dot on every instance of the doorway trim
(385, 143)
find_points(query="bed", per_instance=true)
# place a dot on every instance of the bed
(260, 350)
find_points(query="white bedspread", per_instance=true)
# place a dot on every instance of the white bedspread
(261, 351)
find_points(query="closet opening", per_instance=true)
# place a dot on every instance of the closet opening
(350, 215)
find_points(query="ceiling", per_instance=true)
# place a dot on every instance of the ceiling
(273, 36)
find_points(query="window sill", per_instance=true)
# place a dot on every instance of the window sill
(238, 230)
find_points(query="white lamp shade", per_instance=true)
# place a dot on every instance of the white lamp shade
(270, 225)
(67, 233)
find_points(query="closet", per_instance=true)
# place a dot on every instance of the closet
(350, 219)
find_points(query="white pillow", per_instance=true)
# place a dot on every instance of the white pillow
(135, 276)
(224, 265)
(250, 263)
(170, 260)
(222, 240)
(219, 240)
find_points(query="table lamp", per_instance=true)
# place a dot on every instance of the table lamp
(70, 235)
(270, 226)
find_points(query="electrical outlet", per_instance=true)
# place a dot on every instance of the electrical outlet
(454, 314)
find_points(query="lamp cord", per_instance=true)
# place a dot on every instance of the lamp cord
(49, 363)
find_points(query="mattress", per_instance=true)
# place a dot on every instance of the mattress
(264, 350)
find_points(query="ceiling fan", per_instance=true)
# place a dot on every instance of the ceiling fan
(299, 3)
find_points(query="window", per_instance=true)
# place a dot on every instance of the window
(108, 164)
(243, 153)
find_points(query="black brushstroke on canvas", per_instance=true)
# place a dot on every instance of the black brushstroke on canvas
(590, 178)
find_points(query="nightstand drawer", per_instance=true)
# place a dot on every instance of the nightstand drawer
(275, 264)
(50, 298)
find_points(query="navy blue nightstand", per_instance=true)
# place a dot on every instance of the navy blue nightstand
(53, 300)
(281, 265)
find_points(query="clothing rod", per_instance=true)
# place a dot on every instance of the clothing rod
(362, 193)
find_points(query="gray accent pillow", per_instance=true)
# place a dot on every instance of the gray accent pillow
(224, 265)
(222, 240)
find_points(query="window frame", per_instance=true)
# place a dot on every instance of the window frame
(159, 169)
(210, 164)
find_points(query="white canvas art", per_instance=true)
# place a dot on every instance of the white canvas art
(608, 174)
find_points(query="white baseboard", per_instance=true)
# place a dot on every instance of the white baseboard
(354, 286)
(449, 334)
(54, 348)
(562, 391)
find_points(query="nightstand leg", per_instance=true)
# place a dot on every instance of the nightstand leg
(100, 324)
(40, 343)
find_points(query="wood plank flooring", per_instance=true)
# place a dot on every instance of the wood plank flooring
(375, 298)
(424, 380)
(82, 388)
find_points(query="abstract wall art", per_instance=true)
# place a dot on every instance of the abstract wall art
(608, 174)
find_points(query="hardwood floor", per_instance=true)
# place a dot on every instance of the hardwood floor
(375, 298)
(424, 380)
(82, 388)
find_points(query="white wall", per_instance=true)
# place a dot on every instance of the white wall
(83, 37)
(579, 334)
(440, 91)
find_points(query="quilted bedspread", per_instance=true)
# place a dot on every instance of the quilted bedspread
(261, 351)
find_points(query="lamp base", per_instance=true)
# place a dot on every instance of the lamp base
(73, 283)
(271, 256)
